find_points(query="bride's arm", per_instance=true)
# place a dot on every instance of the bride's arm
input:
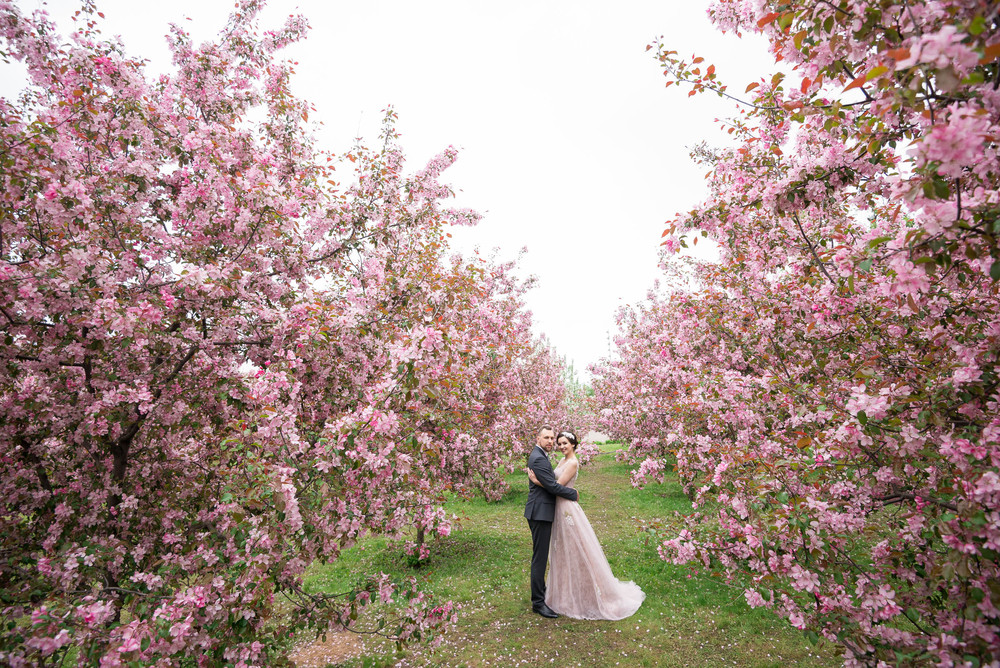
(568, 473)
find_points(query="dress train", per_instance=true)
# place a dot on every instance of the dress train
(581, 584)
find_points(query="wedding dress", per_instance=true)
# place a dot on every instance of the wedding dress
(581, 584)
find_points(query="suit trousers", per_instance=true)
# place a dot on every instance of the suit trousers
(540, 534)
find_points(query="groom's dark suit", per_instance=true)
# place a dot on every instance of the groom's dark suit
(540, 511)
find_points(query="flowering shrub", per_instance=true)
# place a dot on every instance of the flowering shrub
(221, 363)
(586, 452)
(829, 390)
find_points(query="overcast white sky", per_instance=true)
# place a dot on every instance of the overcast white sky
(570, 144)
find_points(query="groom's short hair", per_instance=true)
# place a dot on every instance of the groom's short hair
(544, 427)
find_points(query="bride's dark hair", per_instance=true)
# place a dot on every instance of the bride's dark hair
(569, 436)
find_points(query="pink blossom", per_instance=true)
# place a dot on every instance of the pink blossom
(941, 49)
(910, 279)
(754, 599)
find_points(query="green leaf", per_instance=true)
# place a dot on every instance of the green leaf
(812, 636)
(941, 189)
(878, 242)
(862, 417)
(995, 270)
(977, 26)
(876, 72)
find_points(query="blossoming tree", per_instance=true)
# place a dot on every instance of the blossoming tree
(829, 389)
(226, 354)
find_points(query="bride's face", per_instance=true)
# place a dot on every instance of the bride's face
(565, 446)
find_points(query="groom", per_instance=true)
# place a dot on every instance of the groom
(540, 511)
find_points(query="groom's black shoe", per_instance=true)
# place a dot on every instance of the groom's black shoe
(544, 611)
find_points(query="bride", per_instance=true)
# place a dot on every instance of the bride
(580, 583)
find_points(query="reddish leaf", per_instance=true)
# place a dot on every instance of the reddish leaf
(898, 54)
(857, 83)
(805, 84)
(710, 70)
(752, 86)
(768, 18)
(991, 53)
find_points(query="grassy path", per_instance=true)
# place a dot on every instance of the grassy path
(687, 619)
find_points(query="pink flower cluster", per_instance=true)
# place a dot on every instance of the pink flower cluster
(829, 390)
(224, 361)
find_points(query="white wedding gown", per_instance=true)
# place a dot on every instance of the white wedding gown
(581, 584)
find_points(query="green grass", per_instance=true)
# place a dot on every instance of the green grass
(688, 618)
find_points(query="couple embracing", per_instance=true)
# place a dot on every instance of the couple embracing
(580, 584)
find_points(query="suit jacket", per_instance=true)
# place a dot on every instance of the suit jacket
(541, 504)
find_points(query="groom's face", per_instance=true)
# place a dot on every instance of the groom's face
(546, 439)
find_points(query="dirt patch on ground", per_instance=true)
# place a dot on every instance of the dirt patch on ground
(599, 490)
(338, 646)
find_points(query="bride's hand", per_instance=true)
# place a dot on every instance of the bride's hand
(531, 476)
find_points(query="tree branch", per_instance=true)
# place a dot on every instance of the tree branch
(819, 262)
